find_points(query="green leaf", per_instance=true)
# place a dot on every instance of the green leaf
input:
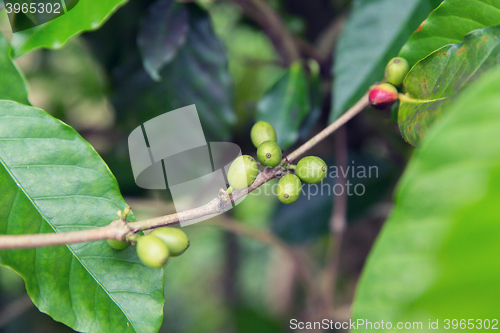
(436, 256)
(449, 23)
(286, 105)
(12, 84)
(198, 75)
(163, 32)
(373, 34)
(54, 181)
(433, 81)
(86, 15)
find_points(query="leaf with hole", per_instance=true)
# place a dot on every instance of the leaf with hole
(53, 181)
(436, 257)
(433, 81)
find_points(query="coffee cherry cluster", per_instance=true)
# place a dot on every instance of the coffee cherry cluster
(385, 95)
(155, 249)
(244, 169)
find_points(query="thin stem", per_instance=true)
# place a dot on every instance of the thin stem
(123, 231)
(338, 224)
(266, 237)
(408, 99)
(271, 23)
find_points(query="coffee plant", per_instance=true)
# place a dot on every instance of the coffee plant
(358, 98)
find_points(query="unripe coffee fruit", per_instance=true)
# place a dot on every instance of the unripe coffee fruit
(261, 132)
(383, 96)
(289, 188)
(311, 169)
(175, 239)
(269, 153)
(152, 251)
(242, 172)
(396, 70)
(117, 245)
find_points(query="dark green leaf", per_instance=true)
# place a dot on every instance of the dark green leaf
(316, 100)
(162, 33)
(435, 79)
(12, 84)
(198, 75)
(53, 181)
(373, 34)
(86, 15)
(437, 255)
(286, 104)
(449, 23)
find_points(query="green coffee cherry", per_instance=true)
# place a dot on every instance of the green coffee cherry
(152, 251)
(289, 188)
(242, 172)
(261, 132)
(117, 245)
(311, 169)
(396, 70)
(269, 153)
(383, 96)
(175, 239)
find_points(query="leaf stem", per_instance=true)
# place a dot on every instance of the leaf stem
(122, 230)
(408, 99)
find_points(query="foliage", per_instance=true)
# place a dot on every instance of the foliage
(138, 60)
(449, 23)
(53, 181)
(12, 84)
(434, 80)
(86, 15)
(435, 256)
(374, 32)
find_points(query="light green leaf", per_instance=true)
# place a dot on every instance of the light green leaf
(434, 80)
(53, 181)
(286, 105)
(449, 23)
(86, 15)
(437, 255)
(373, 34)
(12, 83)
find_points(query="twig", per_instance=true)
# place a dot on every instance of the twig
(325, 43)
(271, 23)
(266, 237)
(338, 223)
(120, 230)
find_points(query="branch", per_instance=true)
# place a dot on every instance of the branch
(271, 23)
(266, 237)
(338, 223)
(121, 230)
